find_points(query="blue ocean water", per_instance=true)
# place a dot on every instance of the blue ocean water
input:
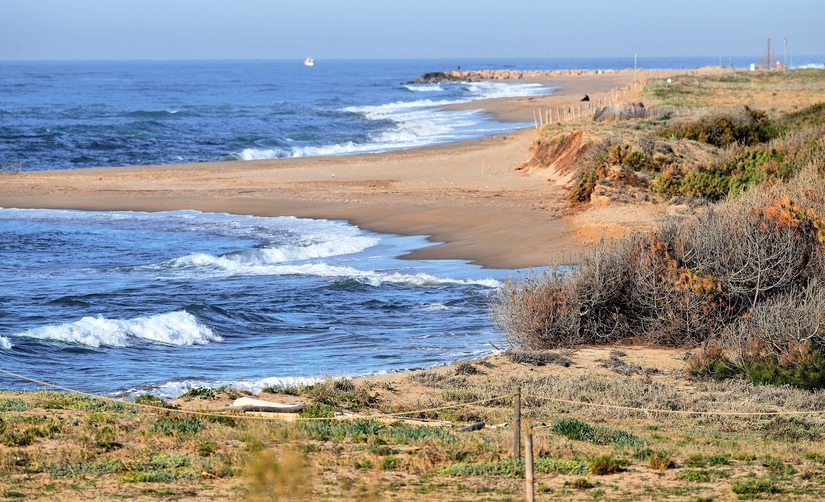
(59, 115)
(126, 303)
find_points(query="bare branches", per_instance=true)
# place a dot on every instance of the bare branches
(743, 273)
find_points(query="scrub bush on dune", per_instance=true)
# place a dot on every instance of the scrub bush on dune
(741, 281)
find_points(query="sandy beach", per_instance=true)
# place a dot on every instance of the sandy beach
(469, 196)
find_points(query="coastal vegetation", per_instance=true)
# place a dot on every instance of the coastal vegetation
(741, 279)
(612, 423)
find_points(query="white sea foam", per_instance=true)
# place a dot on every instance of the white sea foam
(417, 123)
(424, 87)
(176, 388)
(489, 90)
(812, 66)
(204, 265)
(172, 328)
(5, 344)
(433, 306)
(263, 261)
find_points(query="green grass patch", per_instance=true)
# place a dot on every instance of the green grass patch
(754, 486)
(697, 475)
(80, 402)
(14, 404)
(177, 425)
(579, 430)
(75, 470)
(515, 468)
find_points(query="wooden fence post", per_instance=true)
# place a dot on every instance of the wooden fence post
(528, 465)
(517, 424)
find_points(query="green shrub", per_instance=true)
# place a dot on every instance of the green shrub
(199, 393)
(338, 393)
(716, 460)
(606, 464)
(317, 410)
(207, 448)
(805, 371)
(660, 461)
(583, 189)
(150, 400)
(749, 128)
(389, 463)
(177, 425)
(755, 486)
(582, 484)
(814, 457)
(359, 430)
(667, 184)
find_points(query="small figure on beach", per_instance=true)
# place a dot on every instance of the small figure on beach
(586, 98)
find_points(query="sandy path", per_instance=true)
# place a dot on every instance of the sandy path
(466, 195)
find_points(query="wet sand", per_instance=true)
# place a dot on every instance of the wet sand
(467, 196)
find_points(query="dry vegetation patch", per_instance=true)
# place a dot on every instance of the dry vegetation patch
(87, 448)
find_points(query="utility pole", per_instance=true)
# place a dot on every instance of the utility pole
(634, 71)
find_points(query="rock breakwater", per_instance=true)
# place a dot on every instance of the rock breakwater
(479, 75)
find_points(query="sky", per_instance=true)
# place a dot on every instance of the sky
(372, 29)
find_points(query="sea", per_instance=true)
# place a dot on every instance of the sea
(131, 303)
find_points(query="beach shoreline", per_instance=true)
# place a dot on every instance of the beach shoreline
(468, 197)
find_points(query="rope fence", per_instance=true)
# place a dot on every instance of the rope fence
(517, 394)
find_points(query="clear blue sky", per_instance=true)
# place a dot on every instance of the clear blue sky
(356, 29)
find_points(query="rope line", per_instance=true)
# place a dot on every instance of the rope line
(244, 416)
(677, 412)
(401, 414)
(113, 400)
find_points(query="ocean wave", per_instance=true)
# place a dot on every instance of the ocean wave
(433, 306)
(257, 260)
(346, 148)
(152, 113)
(490, 90)
(172, 328)
(811, 66)
(424, 87)
(422, 279)
(264, 153)
(176, 388)
(5, 344)
(417, 123)
(209, 266)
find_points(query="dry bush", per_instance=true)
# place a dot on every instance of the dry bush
(684, 282)
(788, 322)
(751, 250)
(674, 305)
(537, 357)
(586, 305)
(537, 312)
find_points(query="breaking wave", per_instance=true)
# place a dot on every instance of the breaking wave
(173, 328)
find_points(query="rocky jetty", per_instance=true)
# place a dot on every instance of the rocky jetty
(438, 77)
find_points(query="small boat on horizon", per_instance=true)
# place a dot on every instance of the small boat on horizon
(309, 62)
